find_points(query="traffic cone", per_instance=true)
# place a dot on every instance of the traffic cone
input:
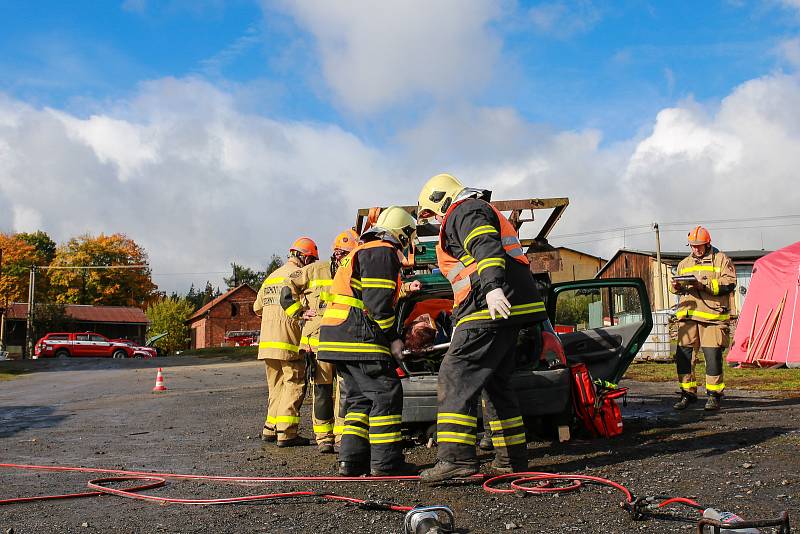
(160, 382)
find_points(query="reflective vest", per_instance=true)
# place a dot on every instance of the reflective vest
(458, 270)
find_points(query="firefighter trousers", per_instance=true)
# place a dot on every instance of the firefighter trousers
(286, 382)
(373, 408)
(480, 360)
(712, 339)
(321, 376)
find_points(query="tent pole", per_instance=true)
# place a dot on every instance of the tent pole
(794, 315)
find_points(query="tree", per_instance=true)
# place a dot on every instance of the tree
(274, 262)
(198, 299)
(111, 287)
(20, 252)
(51, 317)
(169, 315)
(244, 275)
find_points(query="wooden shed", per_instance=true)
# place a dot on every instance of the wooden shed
(576, 265)
(231, 311)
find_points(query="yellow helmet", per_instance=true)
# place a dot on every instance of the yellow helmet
(397, 222)
(437, 194)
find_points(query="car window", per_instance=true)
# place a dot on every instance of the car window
(590, 308)
(58, 337)
(82, 337)
(95, 337)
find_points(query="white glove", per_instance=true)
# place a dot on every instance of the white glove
(498, 303)
(397, 349)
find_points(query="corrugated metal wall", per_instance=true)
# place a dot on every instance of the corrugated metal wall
(628, 265)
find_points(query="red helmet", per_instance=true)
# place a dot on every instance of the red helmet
(347, 240)
(699, 236)
(305, 246)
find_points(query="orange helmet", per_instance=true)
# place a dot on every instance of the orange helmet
(347, 240)
(699, 236)
(305, 246)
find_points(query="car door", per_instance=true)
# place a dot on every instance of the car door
(101, 346)
(82, 346)
(602, 323)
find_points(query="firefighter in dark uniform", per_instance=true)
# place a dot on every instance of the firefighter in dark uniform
(359, 334)
(495, 297)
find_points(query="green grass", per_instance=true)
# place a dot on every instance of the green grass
(754, 379)
(11, 374)
(233, 353)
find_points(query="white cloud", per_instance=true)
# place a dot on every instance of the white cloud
(789, 51)
(200, 183)
(377, 54)
(564, 19)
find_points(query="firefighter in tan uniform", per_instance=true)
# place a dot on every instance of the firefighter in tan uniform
(703, 316)
(313, 286)
(279, 346)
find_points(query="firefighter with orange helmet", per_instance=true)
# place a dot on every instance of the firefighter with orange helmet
(359, 334)
(313, 286)
(280, 308)
(495, 296)
(705, 279)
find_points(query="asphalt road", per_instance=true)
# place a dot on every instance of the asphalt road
(102, 413)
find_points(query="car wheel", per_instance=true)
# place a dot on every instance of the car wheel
(118, 354)
(62, 355)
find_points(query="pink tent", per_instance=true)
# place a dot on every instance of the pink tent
(775, 276)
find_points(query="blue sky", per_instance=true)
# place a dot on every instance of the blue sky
(231, 128)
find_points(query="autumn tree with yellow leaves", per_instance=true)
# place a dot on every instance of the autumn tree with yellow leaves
(19, 252)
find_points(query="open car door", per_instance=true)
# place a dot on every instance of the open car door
(601, 322)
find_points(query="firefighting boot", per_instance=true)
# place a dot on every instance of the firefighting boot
(497, 468)
(353, 469)
(685, 400)
(297, 441)
(400, 469)
(326, 447)
(268, 435)
(444, 470)
(713, 403)
(485, 444)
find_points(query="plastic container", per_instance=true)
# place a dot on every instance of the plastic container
(728, 518)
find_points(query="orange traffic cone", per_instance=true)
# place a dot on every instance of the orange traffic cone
(160, 382)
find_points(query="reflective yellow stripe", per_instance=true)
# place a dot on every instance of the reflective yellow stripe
(341, 346)
(293, 309)
(385, 420)
(700, 269)
(332, 313)
(291, 419)
(349, 301)
(516, 439)
(328, 427)
(356, 416)
(463, 417)
(379, 283)
(311, 341)
(355, 431)
(278, 345)
(521, 309)
(456, 422)
(320, 283)
(715, 387)
(480, 230)
(467, 260)
(388, 437)
(355, 283)
(455, 437)
(715, 286)
(273, 281)
(324, 296)
(703, 315)
(385, 323)
(688, 385)
(506, 424)
(270, 420)
(338, 429)
(491, 262)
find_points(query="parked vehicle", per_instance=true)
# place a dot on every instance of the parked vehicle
(241, 338)
(601, 322)
(76, 345)
(139, 351)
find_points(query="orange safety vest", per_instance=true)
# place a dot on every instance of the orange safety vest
(346, 290)
(458, 270)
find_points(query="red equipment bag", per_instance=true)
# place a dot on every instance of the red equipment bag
(595, 407)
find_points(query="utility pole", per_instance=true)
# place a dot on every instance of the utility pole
(2, 309)
(660, 300)
(29, 326)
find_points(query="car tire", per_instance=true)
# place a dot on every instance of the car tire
(62, 354)
(119, 354)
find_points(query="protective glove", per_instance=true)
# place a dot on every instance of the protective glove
(498, 304)
(396, 349)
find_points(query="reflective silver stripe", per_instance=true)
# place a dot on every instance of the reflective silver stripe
(454, 272)
(515, 252)
(513, 240)
(461, 284)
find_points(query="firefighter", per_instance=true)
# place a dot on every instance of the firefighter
(359, 334)
(279, 346)
(313, 286)
(495, 297)
(703, 316)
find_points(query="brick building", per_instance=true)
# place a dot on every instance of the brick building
(231, 311)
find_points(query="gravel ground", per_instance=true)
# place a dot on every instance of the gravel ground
(101, 413)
